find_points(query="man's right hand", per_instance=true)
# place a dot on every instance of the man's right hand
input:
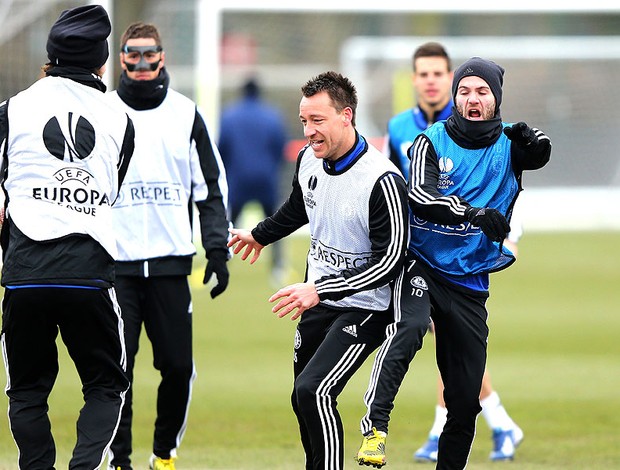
(241, 239)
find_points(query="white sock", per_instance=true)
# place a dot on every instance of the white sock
(441, 415)
(495, 414)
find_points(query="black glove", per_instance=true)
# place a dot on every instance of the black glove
(216, 264)
(521, 134)
(491, 221)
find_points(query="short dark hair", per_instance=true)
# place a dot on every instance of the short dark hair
(140, 30)
(251, 88)
(431, 49)
(339, 88)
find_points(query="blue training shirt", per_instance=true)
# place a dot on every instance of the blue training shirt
(484, 178)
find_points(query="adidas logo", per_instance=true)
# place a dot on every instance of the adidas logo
(351, 329)
(469, 70)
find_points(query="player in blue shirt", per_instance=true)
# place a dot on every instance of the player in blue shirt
(432, 77)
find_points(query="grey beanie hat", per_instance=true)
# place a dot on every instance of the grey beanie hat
(488, 70)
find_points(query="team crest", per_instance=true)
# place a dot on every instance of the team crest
(419, 282)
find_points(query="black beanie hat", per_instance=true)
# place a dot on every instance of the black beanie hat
(488, 70)
(79, 37)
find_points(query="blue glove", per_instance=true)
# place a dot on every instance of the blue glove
(216, 264)
(491, 221)
(521, 134)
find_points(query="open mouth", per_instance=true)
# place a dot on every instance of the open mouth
(316, 143)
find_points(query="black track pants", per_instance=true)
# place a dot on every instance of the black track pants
(163, 305)
(403, 340)
(459, 316)
(91, 328)
(329, 347)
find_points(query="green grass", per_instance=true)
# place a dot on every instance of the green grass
(554, 358)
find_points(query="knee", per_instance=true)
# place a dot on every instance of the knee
(464, 406)
(413, 329)
(418, 327)
(178, 371)
(415, 320)
(304, 393)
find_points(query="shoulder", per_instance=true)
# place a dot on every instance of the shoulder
(436, 127)
(112, 97)
(380, 164)
(115, 103)
(436, 131)
(401, 118)
(43, 86)
(178, 100)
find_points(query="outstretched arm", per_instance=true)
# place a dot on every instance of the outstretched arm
(530, 147)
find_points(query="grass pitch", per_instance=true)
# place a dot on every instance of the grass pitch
(554, 358)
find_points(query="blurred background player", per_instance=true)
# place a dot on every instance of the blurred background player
(432, 79)
(252, 143)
